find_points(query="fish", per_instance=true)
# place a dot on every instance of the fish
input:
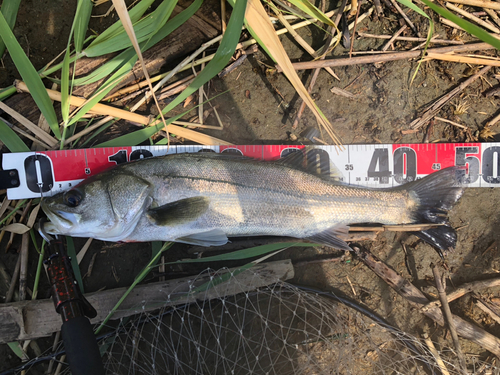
(205, 198)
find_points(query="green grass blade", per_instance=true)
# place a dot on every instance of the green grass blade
(106, 87)
(246, 253)
(7, 92)
(39, 268)
(30, 76)
(221, 58)
(116, 62)
(65, 89)
(19, 205)
(9, 10)
(103, 71)
(81, 22)
(11, 140)
(74, 263)
(18, 350)
(144, 30)
(95, 133)
(139, 136)
(229, 275)
(466, 25)
(311, 10)
(135, 14)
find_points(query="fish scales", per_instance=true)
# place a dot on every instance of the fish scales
(186, 196)
(272, 199)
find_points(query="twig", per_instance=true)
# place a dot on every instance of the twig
(416, 298)
(233, 65)
(410, 38)
(398, 33)
(477, 20)
(316, 71)
(436, 107)
(133, 117)
(140, 87)
(403, 14)
(474, 286)
(479, 3)
(449, 23)
(450, 122)
(223, 15)
(44, 137)
(54, 347)
(388, 57)
(436, 355)
(488, 311)
(23, 274)
(378, 8)
(358, 8)
(462, 59)
(493, 121)
(83, 251)
(440, 285)
(493, 15)
(303, 43)
(60, 364)
(13, 281)
(352, 286)
(393, 228)
(341, 92)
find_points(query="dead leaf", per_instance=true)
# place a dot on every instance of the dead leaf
(17, 228)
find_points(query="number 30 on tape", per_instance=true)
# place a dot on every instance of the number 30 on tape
(381, 165)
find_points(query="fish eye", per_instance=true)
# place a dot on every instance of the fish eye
(72, 198)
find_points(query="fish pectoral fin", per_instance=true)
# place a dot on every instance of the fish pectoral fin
(330, 237)
(214, 237)
(178, 212)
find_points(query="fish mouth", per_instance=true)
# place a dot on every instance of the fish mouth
(59, 219)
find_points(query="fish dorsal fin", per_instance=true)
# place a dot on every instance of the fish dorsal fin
(214, 237)
(312, 160)
(178, 212)
(330, 237)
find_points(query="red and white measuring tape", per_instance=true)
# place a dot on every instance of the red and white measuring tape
(32, 174)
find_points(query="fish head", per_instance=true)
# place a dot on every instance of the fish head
(106, 207)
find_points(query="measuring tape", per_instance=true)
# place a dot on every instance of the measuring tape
(32, 174)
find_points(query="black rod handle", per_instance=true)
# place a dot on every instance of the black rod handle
(82, 352)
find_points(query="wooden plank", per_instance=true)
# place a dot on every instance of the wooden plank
(31, 319)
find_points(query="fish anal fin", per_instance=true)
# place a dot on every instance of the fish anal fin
(330, 237)
(179, 212)
(214, 237)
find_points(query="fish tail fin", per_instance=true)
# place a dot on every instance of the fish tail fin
(435, 195)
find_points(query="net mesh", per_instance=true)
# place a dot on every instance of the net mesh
(276, 329)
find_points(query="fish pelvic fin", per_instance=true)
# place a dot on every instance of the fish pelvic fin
(435, 195)
(178, 212)
(214, 237)
(330, 237)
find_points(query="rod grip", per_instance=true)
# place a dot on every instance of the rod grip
(82, 352)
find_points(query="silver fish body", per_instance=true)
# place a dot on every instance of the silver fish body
(205, 198)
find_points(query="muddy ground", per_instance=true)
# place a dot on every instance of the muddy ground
(259, 109)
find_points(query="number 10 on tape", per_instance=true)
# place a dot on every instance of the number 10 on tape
(377, 166)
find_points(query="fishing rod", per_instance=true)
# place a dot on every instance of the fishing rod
(77, 334)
